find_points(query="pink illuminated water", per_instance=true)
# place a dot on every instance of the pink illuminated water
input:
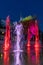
(35, 31)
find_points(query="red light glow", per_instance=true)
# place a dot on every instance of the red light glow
(28, 38)
(28, 46)
(6, 58)
(7, 35)
(37, 45)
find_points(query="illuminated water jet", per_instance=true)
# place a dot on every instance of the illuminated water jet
(19, 43)
(7, 35)
(37, 45)
(6, 58)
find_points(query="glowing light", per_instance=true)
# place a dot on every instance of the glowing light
(28, 38)
(17, 48)
(37, 44)
(6, 58)
(28, 46)
(7, 35)
(37, 53)
(1, 55)
(2, 32)
(34, 30)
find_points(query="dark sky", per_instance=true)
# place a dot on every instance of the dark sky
(17, 8)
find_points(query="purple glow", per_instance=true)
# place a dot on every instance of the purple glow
(17, 49)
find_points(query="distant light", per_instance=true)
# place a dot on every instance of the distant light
(1, 55)
(2, 32)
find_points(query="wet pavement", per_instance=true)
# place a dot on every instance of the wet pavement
(28, 57)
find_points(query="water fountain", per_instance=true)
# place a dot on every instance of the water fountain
(7, 35)
(37, 44)
(6, 47)
(18, 44)
(34, 31)
(6, 58)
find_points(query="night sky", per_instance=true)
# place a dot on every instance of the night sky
(17, 8)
